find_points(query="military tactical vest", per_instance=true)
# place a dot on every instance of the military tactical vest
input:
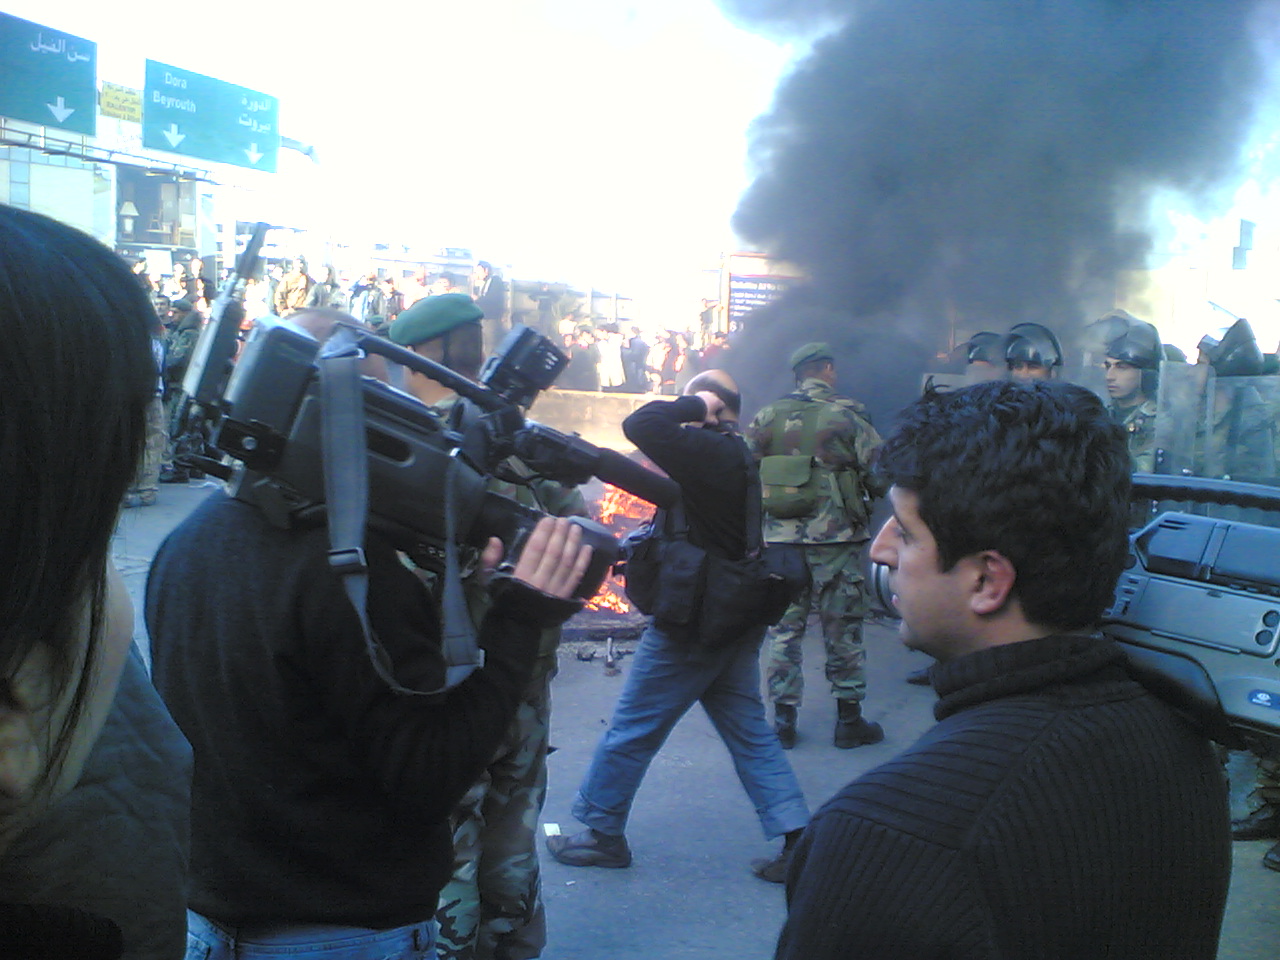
(795, 485)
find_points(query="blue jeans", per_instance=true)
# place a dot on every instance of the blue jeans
(207, 940)
(666, 678)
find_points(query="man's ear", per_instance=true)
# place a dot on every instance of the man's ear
(994, 584)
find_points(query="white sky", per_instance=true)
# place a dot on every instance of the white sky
(589, 141)
(598, 141)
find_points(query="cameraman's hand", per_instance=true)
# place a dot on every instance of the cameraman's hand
(554, 558)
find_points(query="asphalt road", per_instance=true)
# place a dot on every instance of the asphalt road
(689, 894)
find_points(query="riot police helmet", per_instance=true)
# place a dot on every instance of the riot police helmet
(1032, 347)
(1108, 328)
(1139, 346)
(984, 347)
(1235, 354)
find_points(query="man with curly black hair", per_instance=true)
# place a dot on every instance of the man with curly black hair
(1057, 809)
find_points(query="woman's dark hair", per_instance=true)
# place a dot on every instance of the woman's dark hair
(76, 376)
(1038, 472)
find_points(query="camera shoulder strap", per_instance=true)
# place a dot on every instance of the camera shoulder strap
(346, 484)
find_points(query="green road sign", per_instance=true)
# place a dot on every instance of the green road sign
(198, 116)
(47, 76)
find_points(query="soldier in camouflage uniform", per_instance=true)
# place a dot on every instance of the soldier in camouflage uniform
(492, 907)
(1132, 368)
(823, 510)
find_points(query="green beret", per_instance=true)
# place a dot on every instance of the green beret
(433, 317)
(811, 352)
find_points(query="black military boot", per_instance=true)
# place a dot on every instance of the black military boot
(852, 730)
(784, 724)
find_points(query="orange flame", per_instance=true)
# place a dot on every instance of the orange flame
(621, 513)
(617, 504)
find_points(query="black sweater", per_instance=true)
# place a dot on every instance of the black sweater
(1056, 810)
(708, 463)
(320, 796)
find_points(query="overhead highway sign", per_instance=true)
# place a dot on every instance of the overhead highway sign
(48, 77)
(198, 116)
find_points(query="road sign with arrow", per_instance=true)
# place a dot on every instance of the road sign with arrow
(198, 116)
(47, 76)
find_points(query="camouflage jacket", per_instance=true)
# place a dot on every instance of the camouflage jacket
(845, 441)
(1139, 423)
(179, 343)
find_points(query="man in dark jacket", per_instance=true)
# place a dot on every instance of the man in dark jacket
(694, 439)
(322, 795)
(1058, 809)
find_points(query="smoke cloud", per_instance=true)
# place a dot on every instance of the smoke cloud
(939, 167)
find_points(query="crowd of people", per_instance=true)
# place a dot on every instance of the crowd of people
(305, 774)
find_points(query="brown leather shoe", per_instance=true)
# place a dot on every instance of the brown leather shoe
(590, 848)
(773, 869)
(1262, 824)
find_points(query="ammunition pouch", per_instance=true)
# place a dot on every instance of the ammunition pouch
(790, 486)
(713, 600)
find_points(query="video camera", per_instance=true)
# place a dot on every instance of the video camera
(1197, 608)
(278, 410)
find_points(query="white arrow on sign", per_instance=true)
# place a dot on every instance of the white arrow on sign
(173, 136)
(60, 110)
(253, 154)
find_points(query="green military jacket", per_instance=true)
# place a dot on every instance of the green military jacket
(844, 441)
(1139, 423)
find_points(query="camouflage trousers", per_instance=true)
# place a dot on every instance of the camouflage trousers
(491, 909)
(148, 478)
(836, 589)
(1266, 788)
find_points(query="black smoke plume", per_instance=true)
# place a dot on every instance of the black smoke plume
(939, 167)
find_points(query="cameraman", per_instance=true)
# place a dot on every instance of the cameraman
(321, 799)
(695, 440)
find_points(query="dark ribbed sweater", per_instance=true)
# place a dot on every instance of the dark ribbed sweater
(321, 796)
(1057, 809)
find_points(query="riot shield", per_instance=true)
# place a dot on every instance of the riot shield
(1221, 428)
(1181, 409)
(1239, 432)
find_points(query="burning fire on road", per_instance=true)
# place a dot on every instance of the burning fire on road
(621, 513)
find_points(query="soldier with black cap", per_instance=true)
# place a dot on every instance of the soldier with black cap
(814, 448)
(492, 906)
(1132, 366)
(1032, 352)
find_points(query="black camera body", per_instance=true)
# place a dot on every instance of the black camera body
(427, 480)
(1198, 611)
(273, 424)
